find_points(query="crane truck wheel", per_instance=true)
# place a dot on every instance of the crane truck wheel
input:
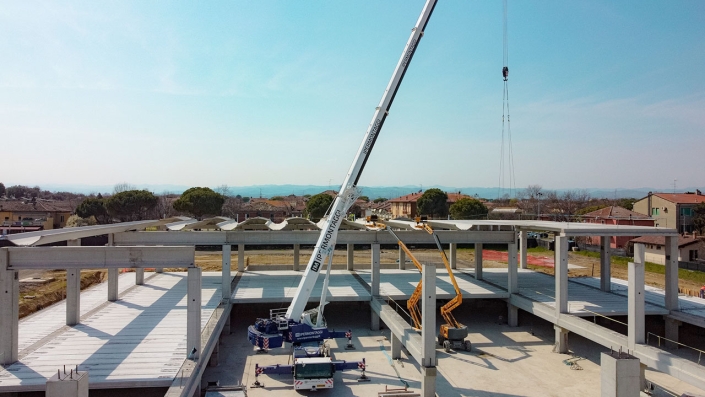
(446, 346)
(467, 345)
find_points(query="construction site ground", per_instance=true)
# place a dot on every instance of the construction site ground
(504, 361)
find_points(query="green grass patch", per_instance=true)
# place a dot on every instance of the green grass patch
(540, 250)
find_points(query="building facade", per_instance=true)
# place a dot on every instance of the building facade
(691, 248)
(615, 215)
(31, 215)
(673, 210)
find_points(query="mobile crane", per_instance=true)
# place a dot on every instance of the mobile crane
(296, 325)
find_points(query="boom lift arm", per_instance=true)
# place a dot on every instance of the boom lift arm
(348, 190)
(413, 303)
(446, 310)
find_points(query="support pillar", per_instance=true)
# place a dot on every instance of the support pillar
(113, 275)
(672, 327)
(227, 250)
(226, 326)
(428, 331)
(9, 310)
(636, 331)
(561, 274)
(478, 261)
(193, 313)
(297, 248)
(396, 347)
(351, 257)
(561, 345)
(671, 302)
(605, 264)
(375, 259)
(513, 315)
(619, 375)
(68, 384)
(241, 257)
(73, 290)
(513, 279)
(522, 248)
(402, 259)
(139, 276)
(453, 255)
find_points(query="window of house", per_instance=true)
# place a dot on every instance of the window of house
(686, 211)
(654, 211)
(62, 218)
(693, 255)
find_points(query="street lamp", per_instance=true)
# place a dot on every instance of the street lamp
(538, 211)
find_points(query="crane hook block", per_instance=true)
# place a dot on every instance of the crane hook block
(505, 73)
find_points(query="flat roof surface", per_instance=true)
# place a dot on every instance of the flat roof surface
(138, 341)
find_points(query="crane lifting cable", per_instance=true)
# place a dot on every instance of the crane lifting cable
(511, 186)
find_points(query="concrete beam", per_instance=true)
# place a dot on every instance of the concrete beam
(636, 324)
(309, 237)
(672, 273)
(297, 248)
(351, 257)
(513, 279)
(658, 359)
(428, 316)
(561, 274)
(478, 261)
(605, 264)
(9, 311)
(73, 233)
(522, 248)
(193, 313)
(99, 257)
(453, 256)
(73, 290)
(240, 257)
(408, 336)
(226, 276)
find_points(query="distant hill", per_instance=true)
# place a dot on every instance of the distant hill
(371, 191)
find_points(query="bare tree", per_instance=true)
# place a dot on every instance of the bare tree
(223, 189)
(122, 187)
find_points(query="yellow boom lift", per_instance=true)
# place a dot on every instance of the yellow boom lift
(452, 334)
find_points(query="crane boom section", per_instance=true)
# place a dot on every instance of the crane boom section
(348, 191)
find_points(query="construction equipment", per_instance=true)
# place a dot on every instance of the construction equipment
(312, 368)
(452, 334)
(296, 325)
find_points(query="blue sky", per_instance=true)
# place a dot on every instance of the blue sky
(603, 94)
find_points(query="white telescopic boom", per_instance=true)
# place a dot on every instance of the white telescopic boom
(348, 191)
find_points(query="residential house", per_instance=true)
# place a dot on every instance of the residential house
(405, 206)
(26, 215)
(615, 215)
(691, 248)
(672, 210)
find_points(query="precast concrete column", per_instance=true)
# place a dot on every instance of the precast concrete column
(113, 275)
(619, 375)
(561, 274)
(428, 331)
(561, 340)
(512, 276)
(522, 248)
(402, 259)
(478, 261)
(636, 333)
(374, 324)
(9, 310)
(193, 313)
(73, 290)
(351, 257)
(297, 248)
(453, 255)
(672, 273)
(241, 257)
(396, 347)
(68, 383)
(139, 276)
(375, 268)
(227, 250)
(605, 264)
(672, 328)
(512, 315)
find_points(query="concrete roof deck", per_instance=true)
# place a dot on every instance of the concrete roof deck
(138, 341)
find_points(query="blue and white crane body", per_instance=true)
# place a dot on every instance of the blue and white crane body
(296, 325)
